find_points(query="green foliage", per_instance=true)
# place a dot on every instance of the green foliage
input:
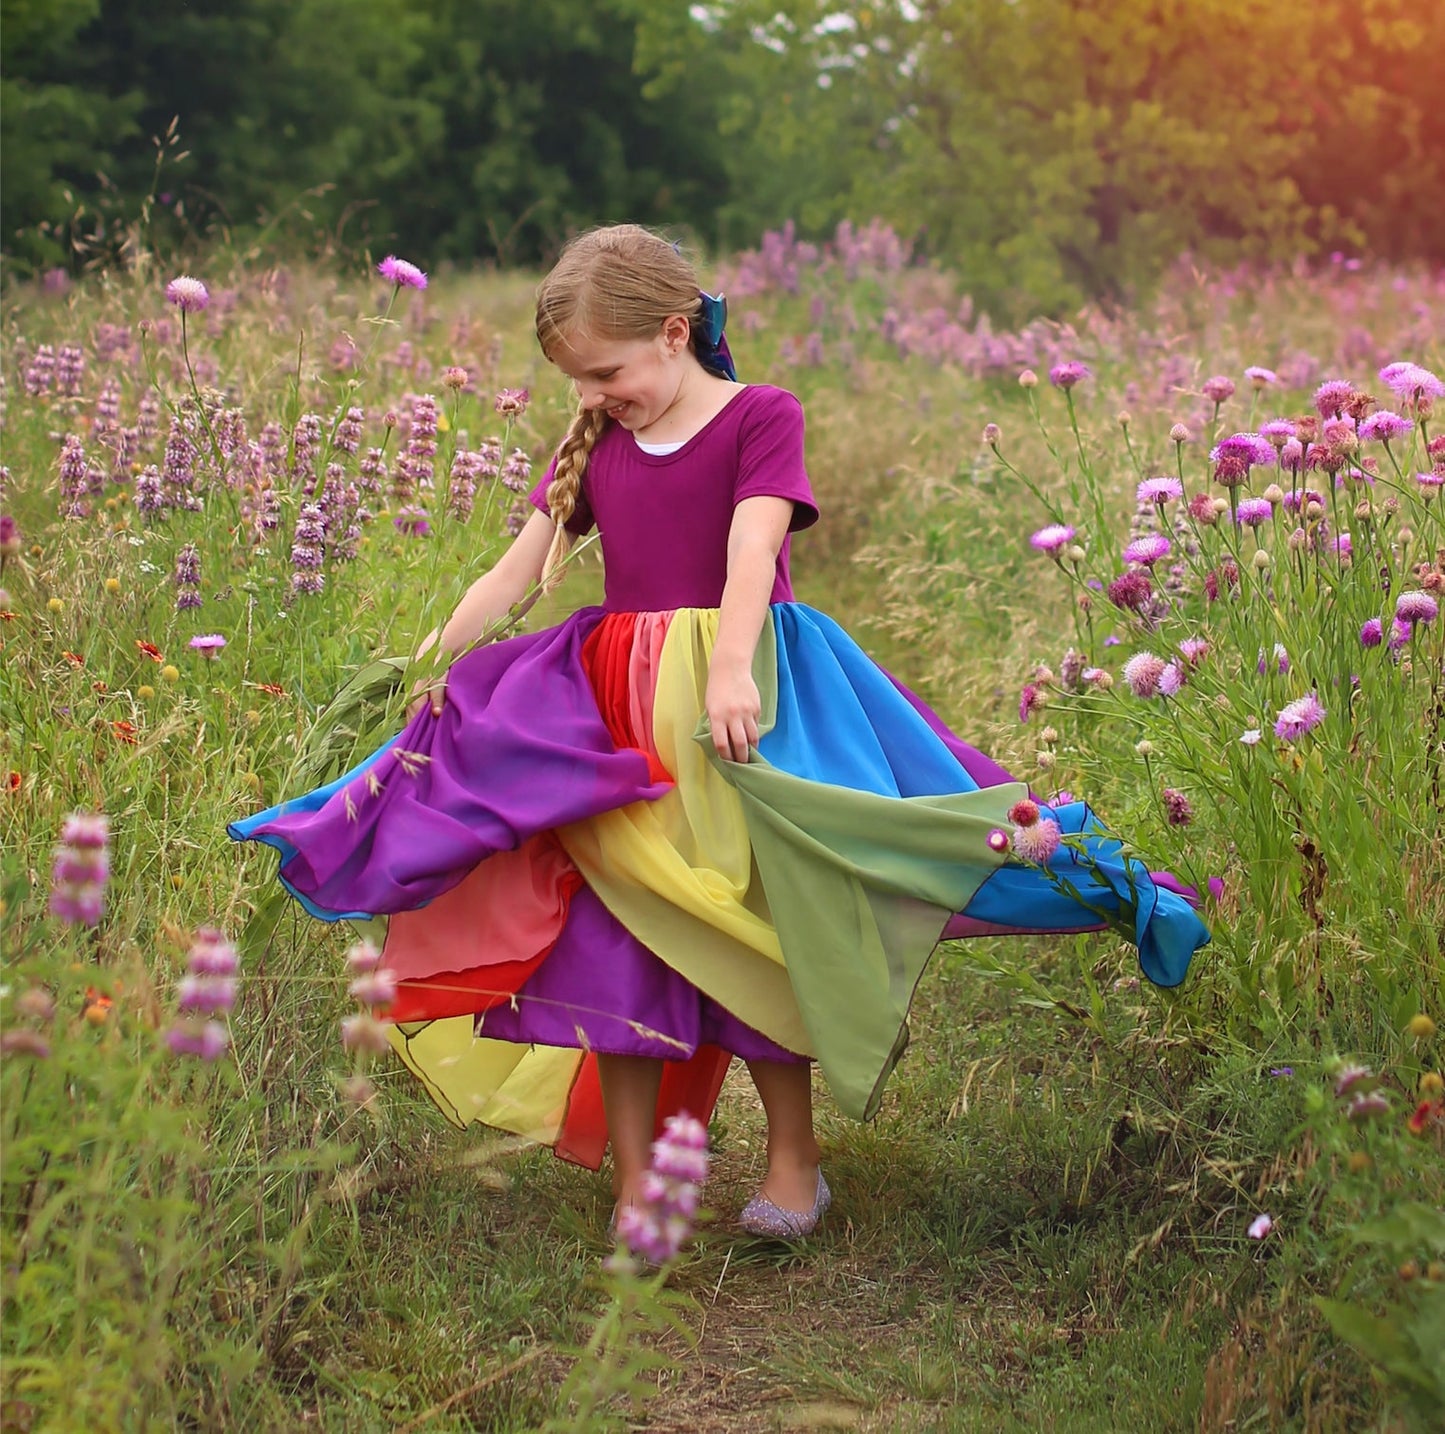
(445, 130)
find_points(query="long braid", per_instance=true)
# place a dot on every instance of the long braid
(566, 484)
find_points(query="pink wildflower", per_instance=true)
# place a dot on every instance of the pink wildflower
(1038, 842)
(1066, 375)
(1148, 550)
(189, 295)
(1142, 672)
(402, 274)
(1159, 490)
(1299, 717)
(1053, 539)
(1218, 389)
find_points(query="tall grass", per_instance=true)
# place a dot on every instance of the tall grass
(1068, 1165)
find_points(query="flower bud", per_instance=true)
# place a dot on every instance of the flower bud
(1124, 418)
(1359, 1162)
(1028, 379)
(1421, 1027)
(1432, 1083)
(1044, 761)
(1049, 736)
(991, 434)
(1179, 433)
(1261, 560)
(1273, 494)
(1144, 748)
(1074, 553)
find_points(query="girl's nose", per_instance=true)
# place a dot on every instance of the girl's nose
(590, 395)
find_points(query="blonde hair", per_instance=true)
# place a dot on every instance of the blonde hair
(620, 282)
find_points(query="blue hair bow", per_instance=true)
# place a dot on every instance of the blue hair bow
(712, 346)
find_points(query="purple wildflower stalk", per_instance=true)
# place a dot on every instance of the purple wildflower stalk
(656, 1225)
(81, 870)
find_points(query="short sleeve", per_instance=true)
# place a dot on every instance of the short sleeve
(770, 457)
(581, 520)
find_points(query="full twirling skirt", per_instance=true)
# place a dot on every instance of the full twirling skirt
(568, 868)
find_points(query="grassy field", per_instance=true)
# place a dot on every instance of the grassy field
(1046, 1226)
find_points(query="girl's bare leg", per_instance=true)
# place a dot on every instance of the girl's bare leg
(786, 1089)
(630, 1085)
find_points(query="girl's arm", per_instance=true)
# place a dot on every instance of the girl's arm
(759, 526)
(491, 597)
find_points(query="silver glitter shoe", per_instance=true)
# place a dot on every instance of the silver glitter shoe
(761, 1217)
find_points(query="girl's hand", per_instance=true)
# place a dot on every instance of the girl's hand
(428, 691)
(733, 707)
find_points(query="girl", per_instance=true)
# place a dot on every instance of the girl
(695, 822)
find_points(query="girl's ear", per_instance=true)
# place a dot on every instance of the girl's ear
(676, 331)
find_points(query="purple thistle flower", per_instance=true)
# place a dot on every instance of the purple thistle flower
(1194, 650)
(1254, 511)
(189, 295)
(1131, 591)
(1261, 377)
(401, 273)
(1409, 381)
(1172, 679)
(1142, 672)
(1256, 452)
(1038, 841)
(1066, 375)
(1416, 607)
(1372, 634)
(1218, 389)
(1299, 717)
(1331, 397)
(81, 870)
(1400, 634)
(512, 402)
(1292, 454)
(1278, 431)
(1030, 700)
(1383, 426)
(1148, 549)
(209, 645)
(1053, 539)
(10, 541)
(1430, 483)
(1177, 810)
(1159, 490)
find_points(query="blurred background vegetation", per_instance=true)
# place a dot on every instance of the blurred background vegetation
(1053, 150)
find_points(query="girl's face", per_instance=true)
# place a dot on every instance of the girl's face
(633, 381)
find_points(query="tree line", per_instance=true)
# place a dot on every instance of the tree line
(1053, 149)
